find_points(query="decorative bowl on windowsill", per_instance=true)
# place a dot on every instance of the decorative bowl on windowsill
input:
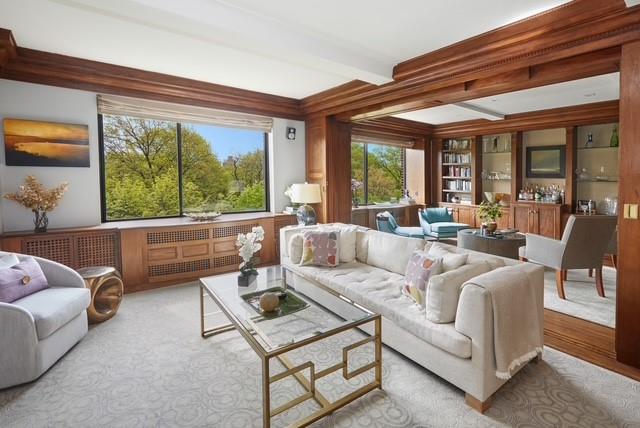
(203, 215)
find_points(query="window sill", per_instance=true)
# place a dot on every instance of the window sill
(151, 223)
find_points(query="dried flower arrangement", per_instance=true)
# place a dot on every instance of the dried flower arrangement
(34, 196)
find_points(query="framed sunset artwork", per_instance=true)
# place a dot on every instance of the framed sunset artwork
(35, 143)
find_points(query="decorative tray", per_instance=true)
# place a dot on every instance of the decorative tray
(289, 302)
(203, 216)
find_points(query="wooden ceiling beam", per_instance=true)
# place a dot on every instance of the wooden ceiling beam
(603, 112)
(578, 67)
(573, 31)
(7, 47)
(522, 38)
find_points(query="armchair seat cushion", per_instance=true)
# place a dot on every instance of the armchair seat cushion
(411, 232)
(447, 227)
(54, 307)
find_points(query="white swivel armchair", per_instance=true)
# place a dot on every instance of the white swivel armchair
(583, 245)
(36, 330)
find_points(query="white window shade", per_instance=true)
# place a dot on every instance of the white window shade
(362, 137)
(171, 112)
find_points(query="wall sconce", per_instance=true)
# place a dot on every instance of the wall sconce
(291, 133)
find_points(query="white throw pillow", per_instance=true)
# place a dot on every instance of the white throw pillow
(443, 291)
(348, 233)
(362, 244)
(295, 248)
(450, 260)
(8, 261)
(391, 252)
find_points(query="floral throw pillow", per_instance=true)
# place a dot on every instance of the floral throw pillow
(320, 248)
(420, 268)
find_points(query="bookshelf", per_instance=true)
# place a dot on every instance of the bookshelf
(457, 178)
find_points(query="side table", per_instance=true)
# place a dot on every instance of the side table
(106, 292)
(506, 246)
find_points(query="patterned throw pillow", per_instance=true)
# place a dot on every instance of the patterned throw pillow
(321, 248)
(20, 280)
(420, 269)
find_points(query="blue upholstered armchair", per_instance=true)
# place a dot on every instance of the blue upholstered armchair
(438, 223)
(387, 223)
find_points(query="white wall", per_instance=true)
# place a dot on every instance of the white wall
(80, 206)
(287, 161)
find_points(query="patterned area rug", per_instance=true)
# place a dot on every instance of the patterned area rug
(148, 367)
(582, 300)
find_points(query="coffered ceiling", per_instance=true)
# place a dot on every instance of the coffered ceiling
(282, 47)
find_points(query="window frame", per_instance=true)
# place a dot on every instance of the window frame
(103, 178)
(365, 168)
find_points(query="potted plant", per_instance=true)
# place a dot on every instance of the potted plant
(249, 244)
(40, 201)
(489, 212)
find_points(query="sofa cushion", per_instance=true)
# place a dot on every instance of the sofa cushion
(380, 291)
(321, 248)
(21, 280)
(420, 269)
(54, 307)
(443, 291)
(447, 227)
(294, 249)
(450, 260)
(362, 244)
(391, 252)
(495, 262)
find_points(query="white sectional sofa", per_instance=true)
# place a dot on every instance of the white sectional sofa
(461, 351)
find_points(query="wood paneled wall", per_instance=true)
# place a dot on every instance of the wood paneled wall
(628, 292)
(152, 256)
(328, 153)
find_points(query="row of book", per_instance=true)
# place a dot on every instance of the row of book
(461, 185)
(456, 144)
(456, 157)
(458, 171)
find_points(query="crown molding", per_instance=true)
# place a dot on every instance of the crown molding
(28, 65)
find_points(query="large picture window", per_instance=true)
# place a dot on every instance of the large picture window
(155, 168)
(379, 171)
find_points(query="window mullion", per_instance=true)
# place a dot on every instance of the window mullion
(180, 190)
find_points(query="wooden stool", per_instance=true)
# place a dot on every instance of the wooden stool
(106, 292)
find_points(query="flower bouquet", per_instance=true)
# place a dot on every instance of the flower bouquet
(249, 244)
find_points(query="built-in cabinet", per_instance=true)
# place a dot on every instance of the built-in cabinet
(494, 165)
(153, 253)
(539, 218)
(469, 214)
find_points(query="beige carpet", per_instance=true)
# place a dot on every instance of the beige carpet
(148, 367)
(582, 300)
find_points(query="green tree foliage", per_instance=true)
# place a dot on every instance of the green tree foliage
(141, 161)
(385, 171)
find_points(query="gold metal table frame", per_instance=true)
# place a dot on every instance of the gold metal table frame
(297, 371)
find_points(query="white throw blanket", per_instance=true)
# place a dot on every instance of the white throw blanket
(517, 321)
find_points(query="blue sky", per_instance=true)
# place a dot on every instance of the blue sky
(227, 141)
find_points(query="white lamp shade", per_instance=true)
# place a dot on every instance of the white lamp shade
(306, 193)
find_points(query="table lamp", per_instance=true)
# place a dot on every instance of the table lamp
(306, 193)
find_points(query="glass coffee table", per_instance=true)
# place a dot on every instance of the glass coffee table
(273, 335)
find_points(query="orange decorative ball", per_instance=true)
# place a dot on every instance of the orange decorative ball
(269, 302)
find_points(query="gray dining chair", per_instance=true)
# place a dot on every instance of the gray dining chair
(584, 242)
